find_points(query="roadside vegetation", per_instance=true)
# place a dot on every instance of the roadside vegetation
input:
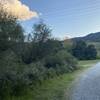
(36, 66)
(58, 87)
(83, 51)
(28, 61)
(97, 46)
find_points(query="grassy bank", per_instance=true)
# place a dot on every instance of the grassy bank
(87, 63)
(55, 88)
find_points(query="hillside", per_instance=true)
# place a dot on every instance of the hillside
(93, 37)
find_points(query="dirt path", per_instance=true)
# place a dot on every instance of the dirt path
(88, 86)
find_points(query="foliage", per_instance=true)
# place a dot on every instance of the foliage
(10, 31)
(41, 32)
(40, 46)
(24, 64)
(97, 46)
(62, 62)
(83, 51)
(91, 52)
(10, 74)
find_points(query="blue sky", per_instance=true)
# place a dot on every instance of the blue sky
(67, 18)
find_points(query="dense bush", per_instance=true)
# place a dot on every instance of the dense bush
(61, 60)
(16, 76)
(26, 63)
(11, 77)
(83, 51)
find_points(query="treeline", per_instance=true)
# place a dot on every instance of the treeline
(26, 61)
(82, 51)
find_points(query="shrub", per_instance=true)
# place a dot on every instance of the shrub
(62, 62)
(34, 73)
(82, 51)
(11, 75)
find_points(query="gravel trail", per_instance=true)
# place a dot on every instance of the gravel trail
(88, 86)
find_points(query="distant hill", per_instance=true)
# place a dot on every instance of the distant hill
(93, 37)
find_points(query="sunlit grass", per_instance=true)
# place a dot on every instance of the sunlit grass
(87, 63)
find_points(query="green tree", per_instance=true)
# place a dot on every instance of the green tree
(83, 51)
(41, 32)
(10, 30)
(40, 44)
(11, 36)
(78, 50)
(91, 52)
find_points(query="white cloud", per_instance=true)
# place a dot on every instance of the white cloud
(16, 8)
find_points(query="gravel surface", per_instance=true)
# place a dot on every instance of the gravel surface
(88, 86)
